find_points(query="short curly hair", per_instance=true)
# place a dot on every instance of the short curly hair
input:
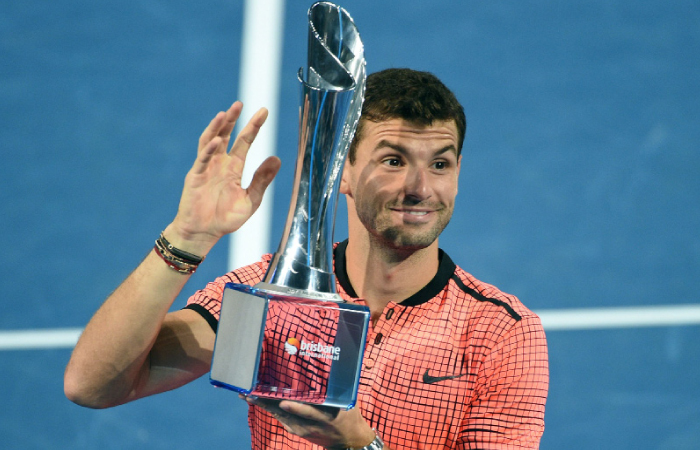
(418, 97)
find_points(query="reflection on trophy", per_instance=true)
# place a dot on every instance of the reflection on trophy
(291, 336)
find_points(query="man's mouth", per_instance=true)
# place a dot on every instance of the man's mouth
(416, 213)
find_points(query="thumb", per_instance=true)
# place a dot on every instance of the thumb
(262, 178)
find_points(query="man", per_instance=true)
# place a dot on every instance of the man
(450, 362)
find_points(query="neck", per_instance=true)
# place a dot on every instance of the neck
(380, 275)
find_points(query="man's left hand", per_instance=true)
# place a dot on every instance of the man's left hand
(328, 427)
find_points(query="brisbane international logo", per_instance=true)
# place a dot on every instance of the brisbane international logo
(294, 346)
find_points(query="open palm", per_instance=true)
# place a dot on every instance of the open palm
(213, 202)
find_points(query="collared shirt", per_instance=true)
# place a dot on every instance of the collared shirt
(458, 365)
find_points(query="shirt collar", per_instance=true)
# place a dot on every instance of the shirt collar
(445, 270)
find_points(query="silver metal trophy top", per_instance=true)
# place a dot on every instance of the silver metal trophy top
(331, 102)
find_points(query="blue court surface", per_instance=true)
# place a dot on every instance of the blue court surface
(579, 189)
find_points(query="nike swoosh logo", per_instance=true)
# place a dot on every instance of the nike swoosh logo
(429, 379)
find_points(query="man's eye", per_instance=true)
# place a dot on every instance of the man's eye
(440, 165)
(394, 162)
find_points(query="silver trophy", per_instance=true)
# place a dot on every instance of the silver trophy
(331, 102)
(291, 336)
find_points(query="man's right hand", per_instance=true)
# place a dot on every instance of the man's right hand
(132, 347)
(213, 202)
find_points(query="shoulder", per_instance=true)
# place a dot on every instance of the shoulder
(499, 323)
(250, 275)
(490, 294)
(488, 307)
(207, 301)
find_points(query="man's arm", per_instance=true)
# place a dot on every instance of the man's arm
(132, 347)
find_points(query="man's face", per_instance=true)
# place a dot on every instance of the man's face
(403, 184)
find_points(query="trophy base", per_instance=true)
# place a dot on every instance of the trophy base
(280, 346)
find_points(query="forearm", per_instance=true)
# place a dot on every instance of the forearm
(115, 360)
(111, 358)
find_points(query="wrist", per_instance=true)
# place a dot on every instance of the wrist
(375, 443)
(177, 259)
(196, 243)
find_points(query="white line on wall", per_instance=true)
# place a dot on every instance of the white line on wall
(39, 339)
(261, 61)
(620, 317)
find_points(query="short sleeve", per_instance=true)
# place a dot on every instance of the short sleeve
(207, 301)
(507, 411)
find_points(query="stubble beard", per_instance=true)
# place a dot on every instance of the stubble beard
(407, 236)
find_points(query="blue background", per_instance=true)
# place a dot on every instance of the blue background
(579, 188)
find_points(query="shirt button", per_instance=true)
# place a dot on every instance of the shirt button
(378, 339)
(389, 313)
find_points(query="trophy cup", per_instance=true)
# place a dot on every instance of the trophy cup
(291, 336)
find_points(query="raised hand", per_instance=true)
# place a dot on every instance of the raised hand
(213, 202)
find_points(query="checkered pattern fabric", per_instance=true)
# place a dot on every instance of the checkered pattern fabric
(459, 365)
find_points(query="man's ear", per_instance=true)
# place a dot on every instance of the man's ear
(459, 167)
(345, 179)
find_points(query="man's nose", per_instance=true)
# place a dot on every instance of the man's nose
(417, 185)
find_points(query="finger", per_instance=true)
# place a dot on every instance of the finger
(331, 411)
(221, 125)
(262, 178)
(205, 155)
(309, 412)
(269, 405)
(246, 137)
(286, 418)
(232, 116)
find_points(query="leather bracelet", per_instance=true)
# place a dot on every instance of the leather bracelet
(186, 256)
(173, 257)
(179, 266)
